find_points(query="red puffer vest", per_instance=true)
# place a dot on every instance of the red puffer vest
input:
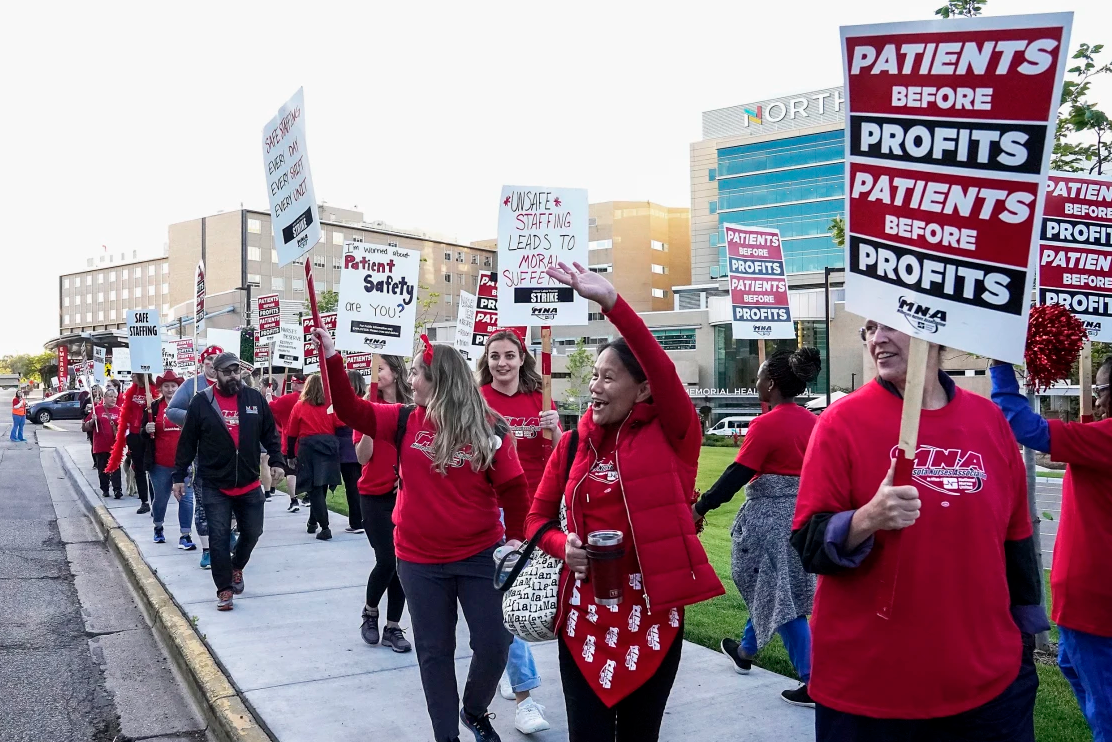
(655, 486)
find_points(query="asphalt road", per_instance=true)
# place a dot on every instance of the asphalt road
(78, 661)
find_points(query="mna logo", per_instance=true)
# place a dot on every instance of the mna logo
(754, 116)
(544, 313)
(763, 330)
(922, 317)
(374, 343)
(1092, 326)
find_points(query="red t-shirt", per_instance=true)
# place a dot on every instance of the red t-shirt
(281, 408)
(776, 441)
(522, 412)
(951, 643)
(166, 435)
(1079, 583)
(378, 477)
(307, 419)
(103, 435)
(229, 410)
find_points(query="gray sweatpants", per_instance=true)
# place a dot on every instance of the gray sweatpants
(432, 591)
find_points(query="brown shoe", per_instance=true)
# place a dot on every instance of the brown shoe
(224, 600)
(237, 581)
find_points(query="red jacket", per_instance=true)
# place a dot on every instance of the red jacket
(657, 456)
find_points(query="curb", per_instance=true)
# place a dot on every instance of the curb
(227, 715)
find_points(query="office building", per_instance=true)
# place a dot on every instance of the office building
(97, 299)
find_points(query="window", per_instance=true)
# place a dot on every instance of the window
(337, 262)
(150, 270)
(601, 268)
(318, 261)
(66, 320)
(137, 273)
(274, 256)
(825, 181)
(138, 291)
(88, 298)
(100, 278)
(660, 270)
(391, 243)
(474, 259)
(712, 207)
(357, 238)
(447, 278)
(658, 246)
(298, 285)
(112, 313)
(278, 283)
(88, 280)
(165, 311)
(600, 244)
(712, 175)
(100, 315)
(254, 279)
(781, 153)
(447, 298)
(660, 294)
(124, 293)
(592, 221)
(254, 226)
(77, 300)
(100, 296)
(447, 254)
(461, 279)
(112, 275)
(112, 295)
(65, 301)
(88, 316)
(165, 288)
(299, 261)
(595, 316)
(165, 269)
(679, 339)
(337, 238)
(487, 261)
(459, 256)
(254, 253)
(65, 283)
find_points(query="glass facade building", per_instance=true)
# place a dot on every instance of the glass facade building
(735, 362)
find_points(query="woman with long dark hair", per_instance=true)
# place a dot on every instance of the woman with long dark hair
(378, 495)
(633, 472)
(458, 467)
(765, 568)
(311, 438)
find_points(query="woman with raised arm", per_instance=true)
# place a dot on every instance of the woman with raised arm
(458, 467)
(766, 570)
(633, 472)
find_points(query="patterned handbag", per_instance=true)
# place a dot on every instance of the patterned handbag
(532, 587)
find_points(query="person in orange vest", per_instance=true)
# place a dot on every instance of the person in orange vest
(19, 416)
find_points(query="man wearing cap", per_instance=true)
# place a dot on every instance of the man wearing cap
(163, 436)
(281, 408)
(224, 427)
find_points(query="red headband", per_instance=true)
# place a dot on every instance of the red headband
(515, 331)
(427, 355)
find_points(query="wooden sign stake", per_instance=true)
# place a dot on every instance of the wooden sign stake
(1085, 364)
(546, 374)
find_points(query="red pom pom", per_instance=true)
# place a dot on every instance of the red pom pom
(1054, 341)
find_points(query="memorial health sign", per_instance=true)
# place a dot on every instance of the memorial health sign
(144, 341)
(758, 284)
(289, 182)
(538, 228)
(950, 126)
(1075, 249)
(378, 299)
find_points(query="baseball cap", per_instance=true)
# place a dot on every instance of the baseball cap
(225, 359)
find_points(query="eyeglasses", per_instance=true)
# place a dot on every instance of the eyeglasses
(869, 330)
(1099, 389)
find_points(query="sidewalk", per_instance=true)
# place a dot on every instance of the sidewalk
(292, 646)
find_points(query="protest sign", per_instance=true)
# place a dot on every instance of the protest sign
(144, 340)
(487, 312)
(465, 327)
(199, 298)
(758, 284)
(99, 361)
(289, 347)
(1075, 250)
(185, 356)
(264, 349)
(538, 228)
(289, 182)
(270, 316)
(226, 340)
(950, 126)
(121, 360)
(311, 362)
(359, 362)
(378, 299)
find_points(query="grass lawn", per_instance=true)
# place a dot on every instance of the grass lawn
(1057, 716)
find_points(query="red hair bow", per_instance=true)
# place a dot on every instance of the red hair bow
(427, 355)
(515, 331)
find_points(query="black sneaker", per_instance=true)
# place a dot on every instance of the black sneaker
(268, 497)
(119, 495)
(732, 649)
(324, 535)
(144, 507)
(798, 697)
(369, 629)
(305, 501)
(394, 637)
(293, 507)
(310, 528)
(480, 726)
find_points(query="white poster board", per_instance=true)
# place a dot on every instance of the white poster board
(377, 309)
(227, 340)
(538, 228)
(465, 328)
(758, 284)
(946, 154)
(121, 361)
(100, 356)
(144, 340)
(289, 182)
(289, 347)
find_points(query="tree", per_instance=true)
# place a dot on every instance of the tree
(961, 8)
(426, 307)
(1082, 117)
(26, 365)
(327, 301)
(580, 367)
(838, 231)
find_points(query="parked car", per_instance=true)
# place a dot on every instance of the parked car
(62, 406)
(727, 427)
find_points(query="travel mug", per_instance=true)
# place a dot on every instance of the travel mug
(605, 550)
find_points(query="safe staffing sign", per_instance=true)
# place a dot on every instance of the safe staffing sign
(1075, 249)
(758, 284)
(950, 126)
(289, 182)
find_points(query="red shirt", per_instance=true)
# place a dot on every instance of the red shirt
(281, 408)
(229, 410)
(1079, 583)
(308, 419)
(951, 643)
(166, 435)
(132, 416)
(103, 435)
(776, 441)
(522, 411)
(378, 477)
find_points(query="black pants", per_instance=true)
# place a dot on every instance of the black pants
(100, 460)
(318, 506)
(136, 445)
(350, 474)
(433, 591)
(378, 511)
(635, 718)
(1010, 717)
(248, 510)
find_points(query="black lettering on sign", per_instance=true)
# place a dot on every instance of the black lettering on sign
(297, 226)
(376, 328)
(963, 281)
(557, 295)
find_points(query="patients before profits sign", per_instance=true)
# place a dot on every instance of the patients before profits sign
(270, 316)
(144, 341)
(538, 228)
(289, 183)
(950, 127)
(1075, 249)
(758, 283)
(309, 351)
(378, 299)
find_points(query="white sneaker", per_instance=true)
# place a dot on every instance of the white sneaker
(506, 690)
(530, 717)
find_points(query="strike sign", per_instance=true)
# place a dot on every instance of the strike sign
(144, 341)
(758, 284)
(1075, 249)
(538, 228)
(378, 299)
(950, 126)
(289, 182)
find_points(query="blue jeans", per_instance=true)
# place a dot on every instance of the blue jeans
(17, 427)
(162, 479)
(796, 635)
(1086, 661)
(521, 668)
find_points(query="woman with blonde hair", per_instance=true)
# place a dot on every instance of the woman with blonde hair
(311, 440)
(458, 466)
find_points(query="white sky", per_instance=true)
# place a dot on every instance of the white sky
(118, 123)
